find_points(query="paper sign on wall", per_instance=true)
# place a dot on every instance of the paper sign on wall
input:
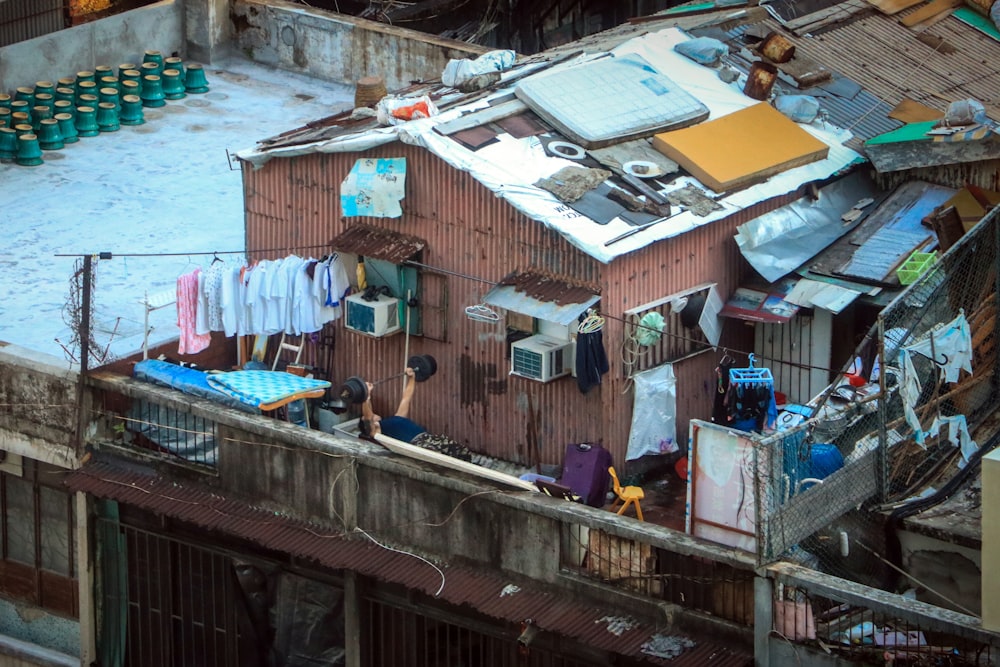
(374, 188)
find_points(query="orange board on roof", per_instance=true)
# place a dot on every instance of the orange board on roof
(740, 149)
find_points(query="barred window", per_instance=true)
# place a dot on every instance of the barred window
(671, 328)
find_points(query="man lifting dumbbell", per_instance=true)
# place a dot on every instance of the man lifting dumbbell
(400, 427)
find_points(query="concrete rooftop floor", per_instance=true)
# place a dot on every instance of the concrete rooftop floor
(162, 187)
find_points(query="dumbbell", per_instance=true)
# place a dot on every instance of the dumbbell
(355, 389)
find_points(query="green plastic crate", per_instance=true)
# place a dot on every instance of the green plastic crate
(915, 266)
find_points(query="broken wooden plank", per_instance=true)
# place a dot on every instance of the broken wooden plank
(890, 7)
(482, 116)
(825, 17)
(937, 18)
(806, 72)
(932, 8)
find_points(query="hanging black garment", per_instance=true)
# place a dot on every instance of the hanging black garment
(591, 360)
(720, 413)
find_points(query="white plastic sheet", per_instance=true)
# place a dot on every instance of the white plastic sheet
(654, 414)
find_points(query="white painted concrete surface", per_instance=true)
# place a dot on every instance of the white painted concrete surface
(162, 187)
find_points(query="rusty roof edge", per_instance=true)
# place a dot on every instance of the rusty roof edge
(208, 508)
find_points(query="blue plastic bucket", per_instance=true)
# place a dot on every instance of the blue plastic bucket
(826, 460)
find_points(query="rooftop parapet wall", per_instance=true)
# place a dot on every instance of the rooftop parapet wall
(37, 406)
(109, 41)
(340, 48)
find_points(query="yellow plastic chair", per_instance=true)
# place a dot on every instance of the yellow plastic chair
(628, 495)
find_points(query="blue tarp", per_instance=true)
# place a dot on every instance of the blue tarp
(188, 380)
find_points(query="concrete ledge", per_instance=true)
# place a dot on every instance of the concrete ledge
(340, 48)
(32, 654)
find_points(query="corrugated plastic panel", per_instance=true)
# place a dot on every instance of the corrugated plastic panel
(552, 611)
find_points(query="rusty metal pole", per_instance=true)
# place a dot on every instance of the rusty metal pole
(84, 336)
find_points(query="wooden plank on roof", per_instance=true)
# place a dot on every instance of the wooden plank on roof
(805, 71)
(890, 7)
(824, 17)
(482, 116)
(932, 8)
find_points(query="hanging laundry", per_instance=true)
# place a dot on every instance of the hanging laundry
(291, 295)
(950, 348)
(211, 296)
(187, 314)
(750, 399)
(591, 359)
(720, 412)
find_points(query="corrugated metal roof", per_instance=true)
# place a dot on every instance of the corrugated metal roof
(543, 295)
(548, 287)
(378, 243)
(551, 610)
(864, 113)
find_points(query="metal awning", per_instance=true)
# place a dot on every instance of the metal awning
(816, 294)
(543, 296)
(378, 243)
(761, 305)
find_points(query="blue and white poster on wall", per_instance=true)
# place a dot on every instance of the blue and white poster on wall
(374, 188)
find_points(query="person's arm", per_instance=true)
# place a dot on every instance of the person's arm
(404, 403)
(366, 407)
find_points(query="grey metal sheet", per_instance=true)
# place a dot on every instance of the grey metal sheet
(509, 298)
(610, 100)
(779, 242)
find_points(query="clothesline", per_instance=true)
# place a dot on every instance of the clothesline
(110, 255)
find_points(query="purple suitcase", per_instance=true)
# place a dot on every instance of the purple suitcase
(585, 470)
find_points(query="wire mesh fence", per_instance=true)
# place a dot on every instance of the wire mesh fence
(898, 424)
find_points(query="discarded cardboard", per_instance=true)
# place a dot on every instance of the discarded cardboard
(742, 148)
(911, 111)
(971, 205)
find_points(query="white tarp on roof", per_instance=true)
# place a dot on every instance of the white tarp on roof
(511, 166)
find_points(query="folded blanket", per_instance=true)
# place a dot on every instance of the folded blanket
(259, 388)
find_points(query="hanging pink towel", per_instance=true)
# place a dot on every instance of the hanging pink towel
(187, 310)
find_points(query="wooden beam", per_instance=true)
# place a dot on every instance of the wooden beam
(825, 17)
(890, 7)
(932, 8)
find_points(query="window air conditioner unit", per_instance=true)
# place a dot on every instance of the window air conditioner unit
(378, 317)
(542, 358)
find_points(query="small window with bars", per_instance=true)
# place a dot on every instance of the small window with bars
(671, 328)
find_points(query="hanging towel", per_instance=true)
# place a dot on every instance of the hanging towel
(187, 315)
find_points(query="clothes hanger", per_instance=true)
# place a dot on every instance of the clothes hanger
(481, 313)
(592, 323)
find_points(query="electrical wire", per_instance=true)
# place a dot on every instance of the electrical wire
(112, 255)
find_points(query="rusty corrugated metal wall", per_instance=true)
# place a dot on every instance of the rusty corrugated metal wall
(983, 174)
(293, 203)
